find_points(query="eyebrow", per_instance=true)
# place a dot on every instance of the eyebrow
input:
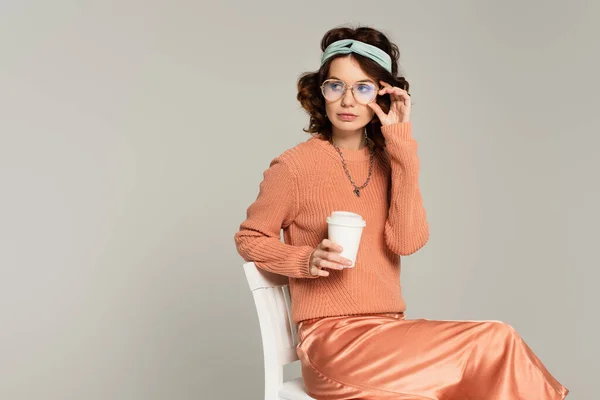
(362, 80)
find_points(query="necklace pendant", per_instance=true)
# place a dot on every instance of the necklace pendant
(357, 192)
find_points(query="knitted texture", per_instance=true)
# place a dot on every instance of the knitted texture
(302, 187)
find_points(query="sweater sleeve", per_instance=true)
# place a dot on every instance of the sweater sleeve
(406, 228)
(258, 239)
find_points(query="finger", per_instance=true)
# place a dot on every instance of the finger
(324, 259)
(387, 86)
(402, 93)
(330, 244)
(394, 90)
(319, 253)
(385, 89)
(336, 258)
(323, 273)
(323, 263)
(378, 111)
(330, 265)
(318, 272)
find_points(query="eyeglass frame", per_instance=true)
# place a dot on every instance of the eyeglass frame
(377, 89)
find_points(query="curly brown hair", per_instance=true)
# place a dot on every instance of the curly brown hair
(309, 83)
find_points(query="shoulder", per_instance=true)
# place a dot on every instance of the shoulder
(302, 156)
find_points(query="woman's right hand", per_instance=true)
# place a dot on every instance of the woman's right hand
(326, 255)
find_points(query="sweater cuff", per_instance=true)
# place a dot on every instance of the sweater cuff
(399, 131)
(303, 263)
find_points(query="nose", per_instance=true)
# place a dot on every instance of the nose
(348, 98)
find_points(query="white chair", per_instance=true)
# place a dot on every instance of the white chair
(278, 331)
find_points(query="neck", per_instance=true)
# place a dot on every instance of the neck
(350, 140)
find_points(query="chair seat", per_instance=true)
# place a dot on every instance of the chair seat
(294, 390)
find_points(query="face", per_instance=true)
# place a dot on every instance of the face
(349, 112)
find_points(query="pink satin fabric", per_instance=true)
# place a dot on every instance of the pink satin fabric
(385, 356)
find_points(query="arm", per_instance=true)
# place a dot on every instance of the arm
(406, 227)
(276, 206)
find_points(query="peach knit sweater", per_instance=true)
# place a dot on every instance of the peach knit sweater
(302, 186)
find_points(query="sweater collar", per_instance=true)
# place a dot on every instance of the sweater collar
(349, 155)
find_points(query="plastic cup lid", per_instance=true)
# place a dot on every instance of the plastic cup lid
(346, 218)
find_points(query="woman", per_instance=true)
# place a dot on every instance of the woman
(354, 341)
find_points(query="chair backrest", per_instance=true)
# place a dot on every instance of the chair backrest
(278, 331)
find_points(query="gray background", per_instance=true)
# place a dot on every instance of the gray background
(134, 135)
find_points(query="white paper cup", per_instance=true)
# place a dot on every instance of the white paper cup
(345, 228)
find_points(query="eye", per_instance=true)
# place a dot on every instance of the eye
(365, 88)
(336, 85)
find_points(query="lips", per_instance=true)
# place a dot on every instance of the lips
(347, 117)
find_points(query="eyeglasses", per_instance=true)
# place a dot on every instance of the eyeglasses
(364, 92)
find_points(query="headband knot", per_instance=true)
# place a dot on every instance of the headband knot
(347, 46)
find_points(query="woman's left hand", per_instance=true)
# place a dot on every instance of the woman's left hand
(399, 107)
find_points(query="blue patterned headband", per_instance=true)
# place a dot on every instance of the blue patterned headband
(347, 46)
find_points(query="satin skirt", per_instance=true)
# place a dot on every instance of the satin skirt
(385, 356)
